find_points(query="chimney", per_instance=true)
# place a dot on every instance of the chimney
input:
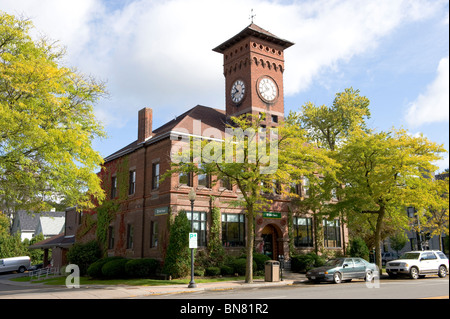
(145, 124)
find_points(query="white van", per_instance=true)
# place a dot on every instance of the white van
(19, 264)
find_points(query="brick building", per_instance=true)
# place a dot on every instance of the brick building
(253, 70)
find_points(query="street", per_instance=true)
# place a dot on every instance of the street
(432, 287)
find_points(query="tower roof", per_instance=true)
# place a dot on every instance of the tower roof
(255, 31)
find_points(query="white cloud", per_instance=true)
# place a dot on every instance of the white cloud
(442, 164)
(432, 106)
(158, 53)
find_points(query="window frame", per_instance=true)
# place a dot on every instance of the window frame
(226, 231)
(132, 182)
(156, 173)
(309, 231)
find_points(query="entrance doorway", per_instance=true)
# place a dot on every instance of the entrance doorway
(270, 242)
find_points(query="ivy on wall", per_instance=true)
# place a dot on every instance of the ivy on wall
(107, 211)
(215, 247)
(105, 214)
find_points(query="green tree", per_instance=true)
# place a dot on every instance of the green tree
(358, 248)
(436, 216)
(328, 126)
(46, 124)
(398, 241)
(258, 162)
(244, 168)
(178, 257)
(383, 173)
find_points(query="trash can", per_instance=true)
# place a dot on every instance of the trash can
(272, 270)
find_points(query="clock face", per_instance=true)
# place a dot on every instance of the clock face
(267, 89)
(237, 91)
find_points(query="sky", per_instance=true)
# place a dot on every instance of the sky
(159, 54)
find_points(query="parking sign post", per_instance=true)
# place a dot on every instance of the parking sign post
(192, 239)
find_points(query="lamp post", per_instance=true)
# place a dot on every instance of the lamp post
(192, 195)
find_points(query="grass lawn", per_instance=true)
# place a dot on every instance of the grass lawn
(61, 280)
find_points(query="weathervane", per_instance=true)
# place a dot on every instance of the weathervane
(252, 15)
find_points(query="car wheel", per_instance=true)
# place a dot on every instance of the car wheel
(414, 273)
(337, 278)
(21, 269)
(369, 275)
(442, 271)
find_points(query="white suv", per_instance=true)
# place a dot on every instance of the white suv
(418, 264)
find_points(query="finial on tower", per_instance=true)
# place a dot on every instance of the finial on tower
(252, 15)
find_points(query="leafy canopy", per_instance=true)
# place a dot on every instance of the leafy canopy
(46, 123)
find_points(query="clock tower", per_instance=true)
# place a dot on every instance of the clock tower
(253, 69)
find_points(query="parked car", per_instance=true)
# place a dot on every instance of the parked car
(385, 257)
(343, 269)
(19, 264)
(417, 264)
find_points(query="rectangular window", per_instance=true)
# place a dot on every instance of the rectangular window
(203, 178)
(226, 183)
(275, 118)
(305, 185)
(331, 233)
(154, 234)
(132, 183)
(113, 187)
(233, 226)
(303, 232)
(155, 175)
(185, 179)
(110, 237)
(130, 231)
(199, 223)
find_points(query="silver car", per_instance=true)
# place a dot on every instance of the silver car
(343, 269)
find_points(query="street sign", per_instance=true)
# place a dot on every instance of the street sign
(275, 215)
(192, 240)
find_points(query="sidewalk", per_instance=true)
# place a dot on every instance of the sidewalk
(31, 291)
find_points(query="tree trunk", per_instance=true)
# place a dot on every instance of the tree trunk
(378, 229)
(250, 243)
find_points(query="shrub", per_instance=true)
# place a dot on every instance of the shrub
(239, 266)
(199, 271)
(114, 268)
(178, 258)
(212, 271)
(226, 270)
(84, 255)
(358, 248)
(302, 263)
(260, 260)
(141, 267)
(95, 269)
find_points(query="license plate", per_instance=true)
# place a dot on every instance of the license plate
(394, 272)
(313, 277)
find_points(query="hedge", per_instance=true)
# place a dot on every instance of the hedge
(141, 267)
(303, 263)
(114, 268)
(239, 266)
(95, 269)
